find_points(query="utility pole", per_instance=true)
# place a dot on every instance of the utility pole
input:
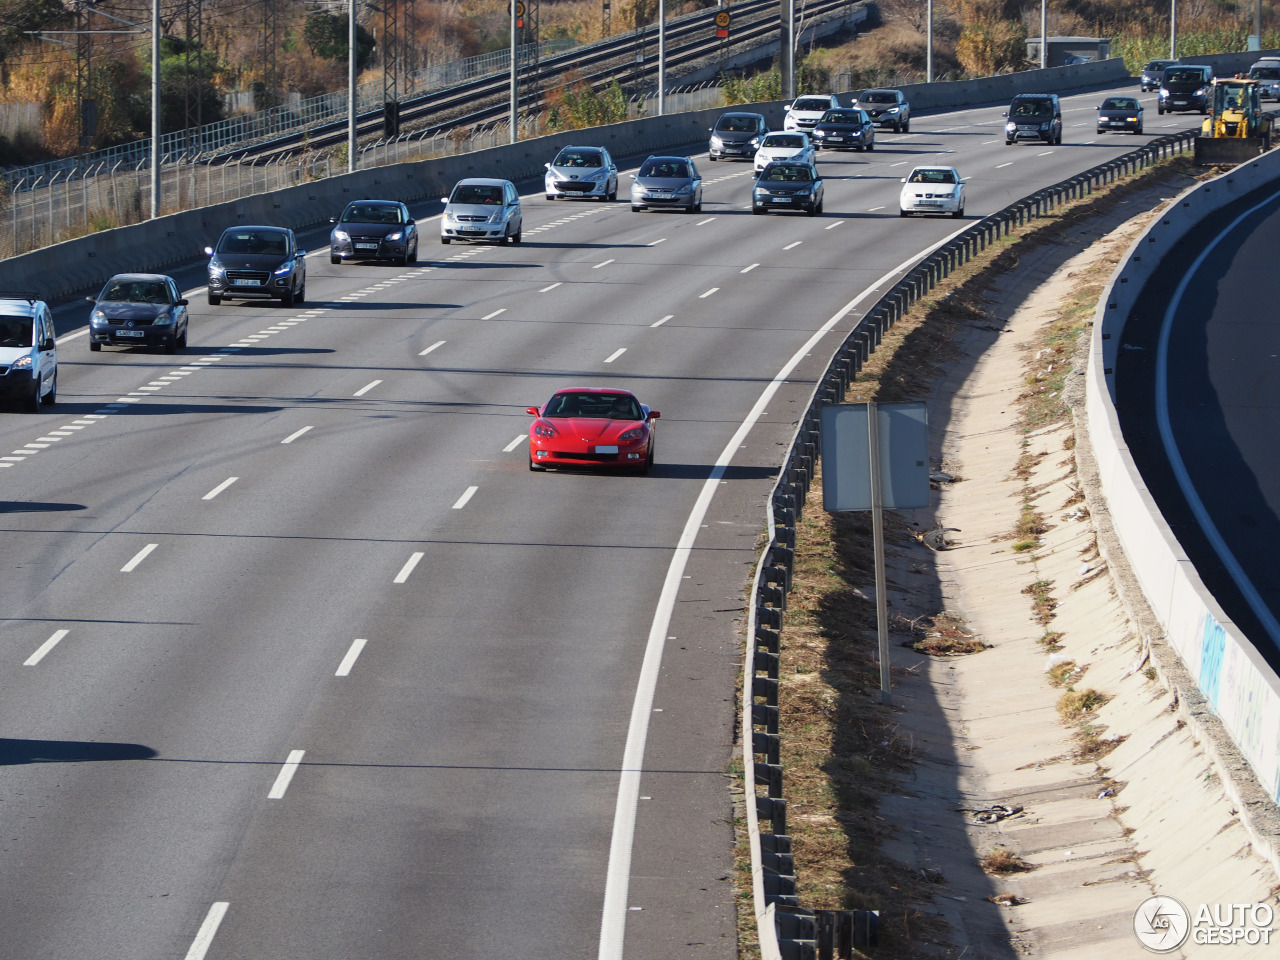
(517, 14)
(155, 109)
(351, 86)
(662, 57)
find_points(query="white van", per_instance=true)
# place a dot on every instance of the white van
(1267, 72)
(28, 353)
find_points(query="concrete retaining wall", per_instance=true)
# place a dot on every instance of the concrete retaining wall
(1236, 682)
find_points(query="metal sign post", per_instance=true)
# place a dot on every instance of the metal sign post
(876, 456)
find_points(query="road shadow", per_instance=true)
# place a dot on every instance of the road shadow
(14, 752)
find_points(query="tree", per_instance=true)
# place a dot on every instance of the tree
(325, 35)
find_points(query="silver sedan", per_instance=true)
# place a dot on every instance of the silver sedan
(667, 182)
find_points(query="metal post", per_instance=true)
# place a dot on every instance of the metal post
(351, 86)
(1044, 33)
(928, 72)
(515, 75)
(662, 56)
(877, 524)
(789, 56)
(155, 109)
(1173, 29)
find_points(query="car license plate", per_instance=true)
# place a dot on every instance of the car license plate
(607, 449)
(836, 139)
(929, 203)
(366, 246)
(1180, 103)
(781, 199)
(243, 282)
(130, 333)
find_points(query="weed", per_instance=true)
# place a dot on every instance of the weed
(1042, 602)
(1050, 641)
(1075, 705)
(947, 636)
(1065, 673)
(1002, 861)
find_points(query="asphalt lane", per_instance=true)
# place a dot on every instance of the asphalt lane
(217, 531)
(1222, 404)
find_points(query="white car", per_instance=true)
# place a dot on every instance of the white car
(785, 146)
(932, 190)
(482, 209)
(806, 111)
(28, 353)
(582, 172)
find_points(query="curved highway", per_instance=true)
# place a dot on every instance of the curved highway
(300, 660)
(1198, 392)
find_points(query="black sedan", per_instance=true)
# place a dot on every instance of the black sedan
(374, 230)
(139, 310)
(788, 185)
(257, 263)
(1120, 114)
(845, 129)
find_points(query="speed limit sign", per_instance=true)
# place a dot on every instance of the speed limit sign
(722, 24)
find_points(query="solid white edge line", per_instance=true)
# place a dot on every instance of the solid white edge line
(618, 874)
(295, 435)
(407, 569)
(514, 443)
(286, 775)
(1216, 540)
(200, 946)
(44, 648)
(366, 388)
(467, 495)
(219, 488)
(138, 558)
(344, 668)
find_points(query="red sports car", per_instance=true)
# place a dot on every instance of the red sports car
(592, 427)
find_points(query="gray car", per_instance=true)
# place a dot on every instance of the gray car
(257, 263)
(667, 182)
(482, 209)
(788, 185)
(886, 108)
(736, 135)
(582, 172)
(374, 230)
(138, 310)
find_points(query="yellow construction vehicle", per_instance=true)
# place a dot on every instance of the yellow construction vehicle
(1236, 130)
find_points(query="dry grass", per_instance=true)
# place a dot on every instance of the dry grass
(946, 635)
(1042, 602)
(1065, 673)
(1076, 705)
(1002, 862)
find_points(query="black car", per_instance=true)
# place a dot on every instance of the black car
(138, 310)
(1120, 114)
(256, 263)
(374, 230)
(1034, 116)
(1185, 87)
(886, 108)
(1153, 74)
(845, 129)
(737, 136)
(788, 185)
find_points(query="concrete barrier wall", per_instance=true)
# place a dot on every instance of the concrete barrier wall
(1236, 682)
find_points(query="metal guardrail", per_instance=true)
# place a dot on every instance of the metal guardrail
(787, 931)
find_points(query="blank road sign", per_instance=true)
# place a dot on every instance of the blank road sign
(846, 456)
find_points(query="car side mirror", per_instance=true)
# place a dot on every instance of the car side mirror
(92, 299)
(301, 253)
(183, 302)
(904, 179)
(333, 219)
(547, 165)
(654, 415)
(411, 222)
(532, 411)
(1005, 114)
(48, 343)
(208, 251)
(444, 199)
(633, 176)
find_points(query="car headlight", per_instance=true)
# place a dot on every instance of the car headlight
(893, 110)
(395, 236)
(163, 320)
(1202, 91)
(496, 216)
(284, 270)
(341, 235)
(754, 143)
(543, 430)
(762, 191)
(802, 193)
(22, 363)
(635, 433)
(216, 268)
(98, 318)
(716, 142)
(687, 188)
(598, 176)
(1044, 126)
(1164, 92)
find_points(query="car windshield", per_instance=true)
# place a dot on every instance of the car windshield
(878, 96)
(135, 291)
(665, 169)
(1265, 73)
(597, 406)
(842, 116)
(478, 193)
(1119, 103)
(1176, 75)
(1156, 65)
(737, 124)
(779, 173)
(17, 332)
(578, 158)
(1032, 108)
(254, 241)
(932, 176)
(811, 104)
(372, 213)
(783, 140)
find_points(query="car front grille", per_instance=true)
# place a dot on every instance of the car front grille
(258, 275)
(468, 218)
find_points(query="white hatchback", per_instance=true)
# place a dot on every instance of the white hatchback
(785, 146)
(932, 190)
(805, 112)
(482, 209)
